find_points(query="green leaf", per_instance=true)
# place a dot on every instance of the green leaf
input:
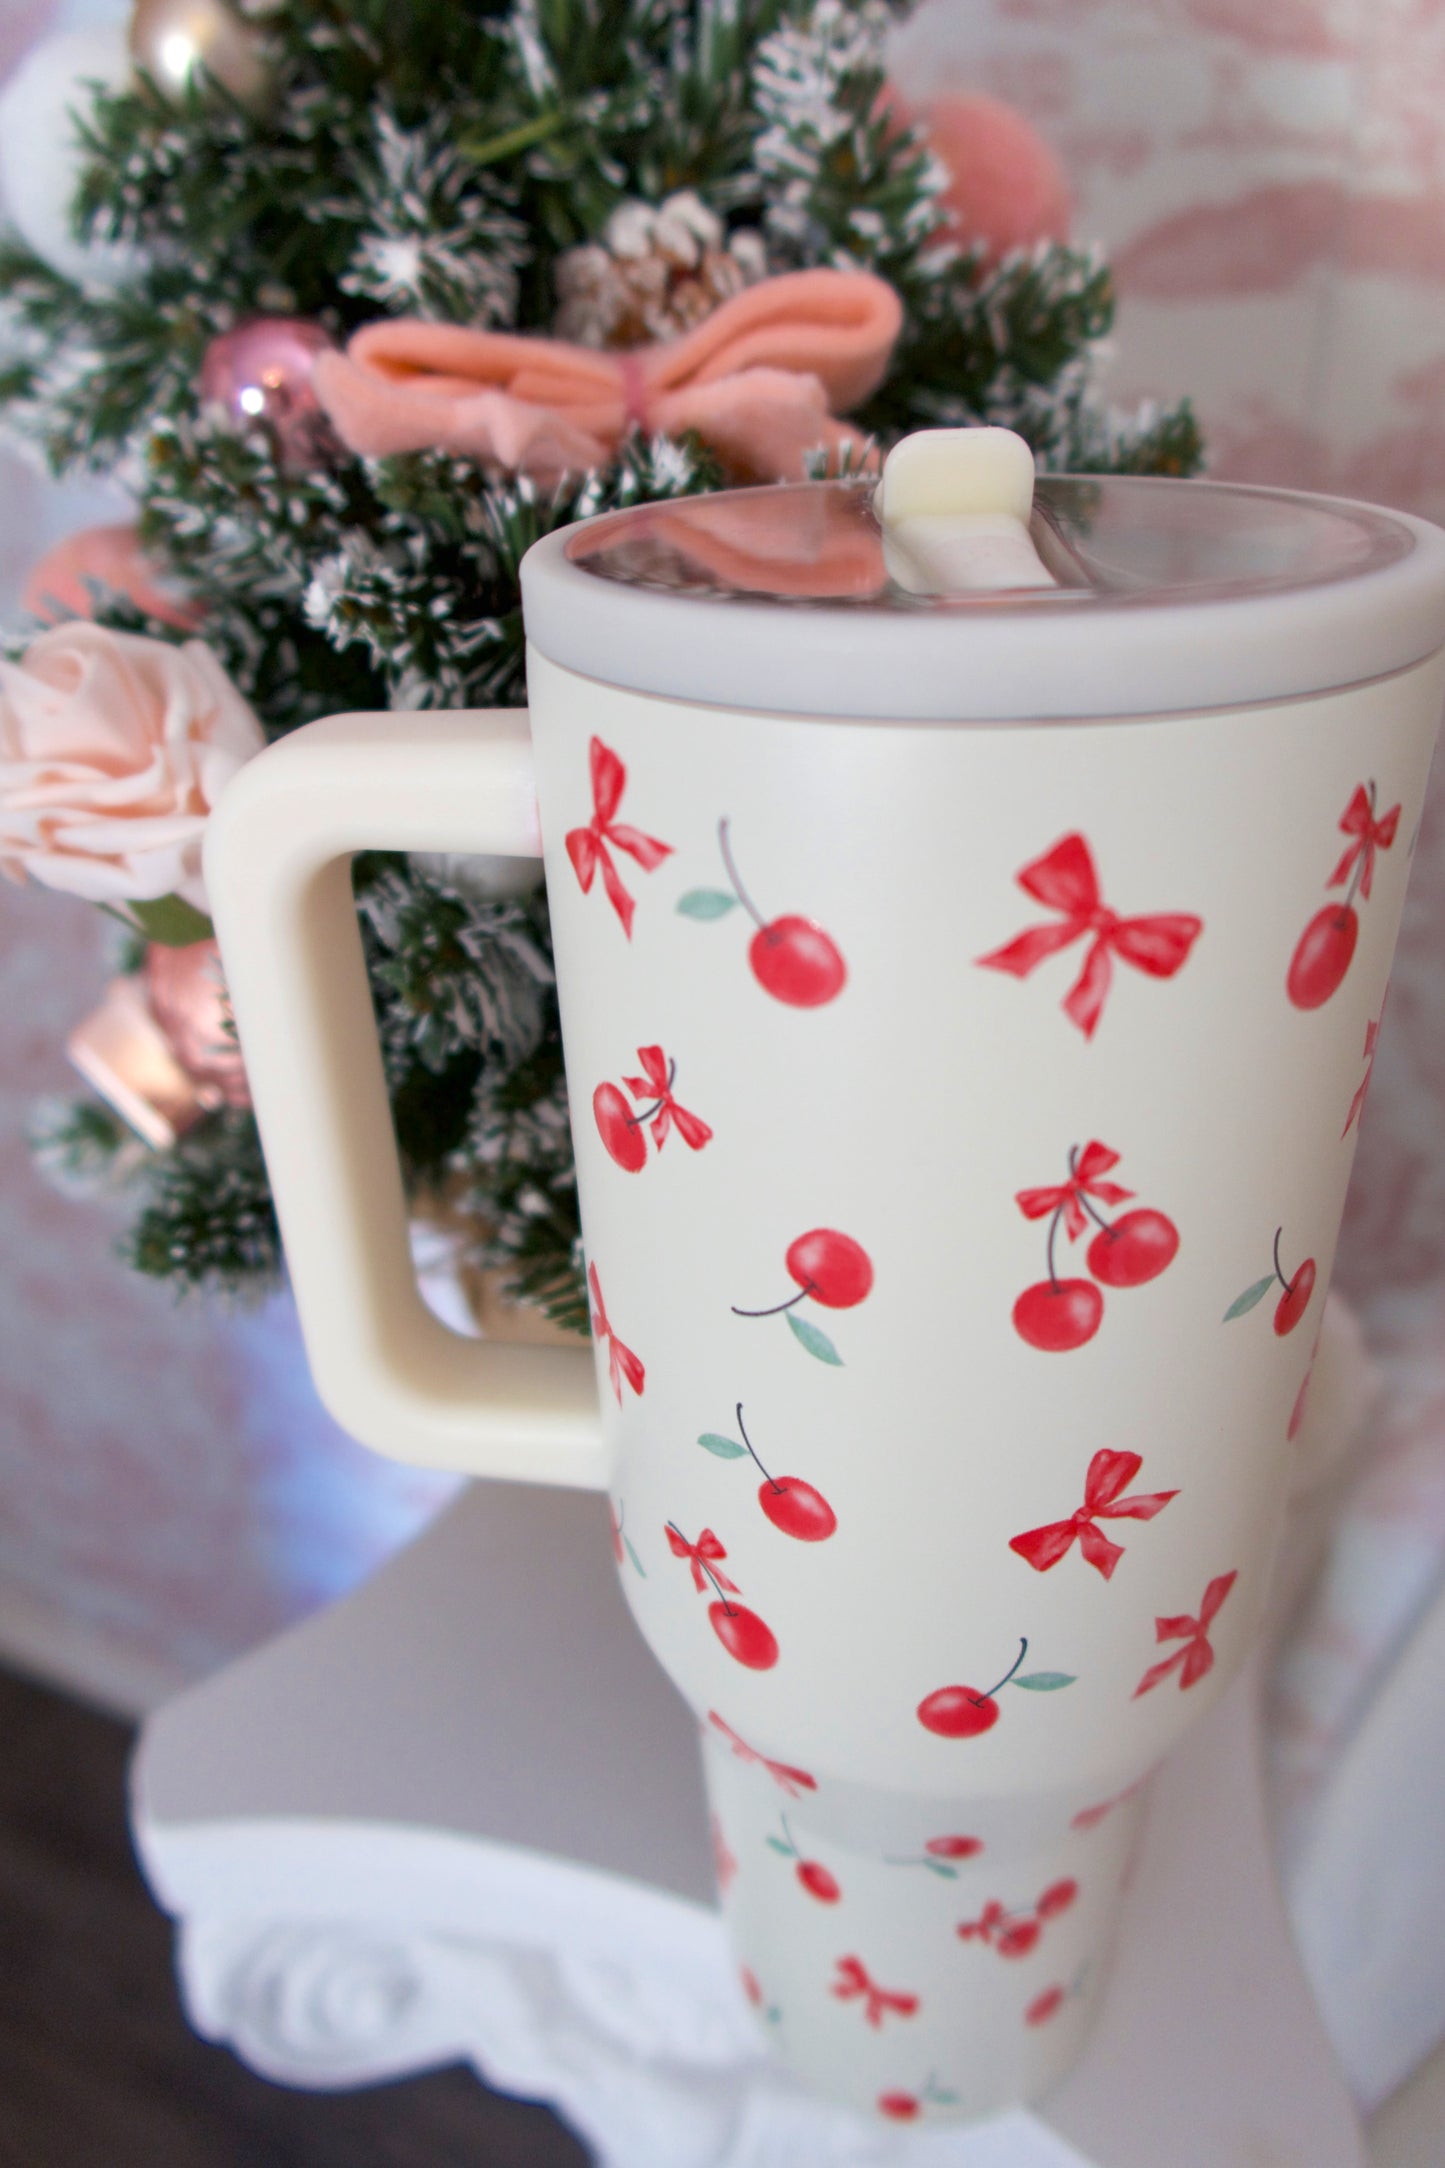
(171, 921)
(634, 1557)
(817, 1343)
(779, 1846)
(938, 1866)
(725, 1448)
(1250, 1297)
(1044, 1682)
(706, 903)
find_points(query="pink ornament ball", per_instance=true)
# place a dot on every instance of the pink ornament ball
(101, 560)
(1006, 188)
(261, 372)
(188, 999)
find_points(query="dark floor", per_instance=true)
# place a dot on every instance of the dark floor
(97, 2067)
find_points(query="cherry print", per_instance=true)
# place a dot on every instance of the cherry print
(1065, 880)
(743, 1634)
(794, 1507)
(902, 2107)
(1018, 1939)
(954, 1847)
(1104, 1485)
(1058, 1315)
(957, 1712)
(829, 1268)
(588, 847)
(1134, 1250)
(1057, 1898)
(619, 1128)
(791, 957)
(1044, 2006)
(853, 1982)
(621, 1362)
(812, 1874)
(788, 1780)
(1326, 947)
(1295, 1299)
(1195, 1659)
(1015, 1933)
(751, 1987)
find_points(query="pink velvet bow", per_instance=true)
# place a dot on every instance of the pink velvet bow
(761, 380)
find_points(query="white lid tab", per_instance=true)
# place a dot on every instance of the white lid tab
(954, 507)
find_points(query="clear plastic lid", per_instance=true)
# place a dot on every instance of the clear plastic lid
(1170, 595)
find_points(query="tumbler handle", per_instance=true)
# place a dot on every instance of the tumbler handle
(277, 860)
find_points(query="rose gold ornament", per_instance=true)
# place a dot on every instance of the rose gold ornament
(188, 999)
(261, 372)
(182, 43)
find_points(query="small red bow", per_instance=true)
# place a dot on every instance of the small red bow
(1065, 879)
(986, 1925)
(1107, 1476)
(1358, 820)
(656, 1083)
(1094, 1160)
(587, 847)
(621, 1362)
(1196, 1658)
(1357, 1104)
(703, 1554)
(853, 1980)
(790, 1780)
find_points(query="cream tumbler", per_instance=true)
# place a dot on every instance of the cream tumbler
(971, 926)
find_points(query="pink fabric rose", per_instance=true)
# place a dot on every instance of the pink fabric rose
(113, 749)
(64, 582)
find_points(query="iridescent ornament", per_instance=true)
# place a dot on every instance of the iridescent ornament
(181, 44)
(188, 999)
(261, 372)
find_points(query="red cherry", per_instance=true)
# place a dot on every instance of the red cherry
(744, 1636)
(794, 961)
(834, 1269)
(1295, 1300)
(1056, 1318)
(1044, 2006)
(957, 1712)
(797, 1509)
(901, 2106)
(623, 1135)
(1323, 955)
(954, 1847)
(1057, 1898)
(1018, 1938)
(817, 1881)
(751, 1987)
(1136, 1248)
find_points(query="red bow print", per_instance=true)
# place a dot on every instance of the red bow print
(853, 1980)
(790, 1780)
(656, 1083)
(703, 1553)
(1095, 1159)
(621, 1362)
(1196, 1658)
(1357, 1104)
(587, 847)
(1107, 1476)
(986, 1926)
(1065, 879)
(1358, 821)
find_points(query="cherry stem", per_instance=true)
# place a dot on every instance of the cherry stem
(636, 1119)
(741, 893)
(978, 1700)
(776, 1311)
(1363, 859)
(789, 1835)
(1053, 1237)
(1287, 1285)
(747, 1441)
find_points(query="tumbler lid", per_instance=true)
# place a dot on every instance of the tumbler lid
(939, 595)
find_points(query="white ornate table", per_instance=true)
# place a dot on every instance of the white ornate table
(459, 1817)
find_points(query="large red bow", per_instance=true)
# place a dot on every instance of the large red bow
(1358, 820)
(1065, 879)
(703, 1555)
(587, 847)
(656, 1083)
(853, 1980)
(790, 1780)
(1196, 1658)
(621, 1362)
(1095, 1159)
(1107, 1476)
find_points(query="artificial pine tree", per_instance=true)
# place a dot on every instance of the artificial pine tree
(603, 170)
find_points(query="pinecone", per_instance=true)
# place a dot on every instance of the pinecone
(656, 272)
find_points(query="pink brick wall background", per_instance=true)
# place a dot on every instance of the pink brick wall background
(1269, 178)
